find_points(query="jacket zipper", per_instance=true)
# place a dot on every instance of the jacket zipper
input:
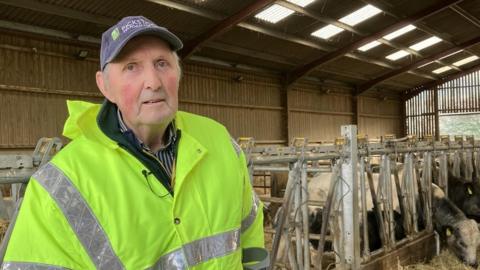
(170, 187)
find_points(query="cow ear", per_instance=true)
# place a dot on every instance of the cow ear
(448, 231)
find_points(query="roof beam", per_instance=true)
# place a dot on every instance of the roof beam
(364, 87)
(249, 53)
(420, 88)
(47, 32)
(223, 26)
(466, 15)
(286, 61)
(301, 71)
(59, 11)
(357, 76)
(179, 6)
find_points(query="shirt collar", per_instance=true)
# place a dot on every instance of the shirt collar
(126, 131)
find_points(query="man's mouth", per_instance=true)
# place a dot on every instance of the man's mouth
(153, 101)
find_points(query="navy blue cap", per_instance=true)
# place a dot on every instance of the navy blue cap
(117, 36)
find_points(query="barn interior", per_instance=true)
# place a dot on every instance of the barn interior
(276, 73)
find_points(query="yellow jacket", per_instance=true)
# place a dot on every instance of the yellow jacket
(97, 205)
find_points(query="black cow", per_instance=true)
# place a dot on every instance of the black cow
(374, 240)
(465, 195)
(459, 233)
(315, 227)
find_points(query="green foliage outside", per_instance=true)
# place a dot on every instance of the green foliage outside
(466, 124)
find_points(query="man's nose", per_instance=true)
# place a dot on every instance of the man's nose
(152, 79)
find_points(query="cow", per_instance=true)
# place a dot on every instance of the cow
(318, 185)
(458, 232)
(373, 229)
(465, 195)
(374, 240)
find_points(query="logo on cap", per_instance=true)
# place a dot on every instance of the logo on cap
(137, 23)
(115, 33)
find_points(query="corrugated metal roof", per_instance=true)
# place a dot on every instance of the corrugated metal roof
(285, 46)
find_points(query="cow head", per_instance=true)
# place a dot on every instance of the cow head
(472, 201)
(463, 239)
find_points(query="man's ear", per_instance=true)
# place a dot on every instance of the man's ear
(100, 78)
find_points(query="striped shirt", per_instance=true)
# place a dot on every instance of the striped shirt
(166, 154)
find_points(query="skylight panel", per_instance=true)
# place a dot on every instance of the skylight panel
(425, 43)
(465, 61)
(369, 46)
(327, 31)
(274, 14)
(397, 55)
(360, 15)
(441, 70)
(302, 3)
(400, 32)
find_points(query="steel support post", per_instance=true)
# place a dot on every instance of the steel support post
(348, 189)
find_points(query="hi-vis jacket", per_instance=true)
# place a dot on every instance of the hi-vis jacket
(97, 205)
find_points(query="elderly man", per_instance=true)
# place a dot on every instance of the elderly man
(141, 185)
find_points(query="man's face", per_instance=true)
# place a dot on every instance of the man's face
(143, 82)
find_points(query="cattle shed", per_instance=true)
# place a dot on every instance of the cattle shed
(284, 76)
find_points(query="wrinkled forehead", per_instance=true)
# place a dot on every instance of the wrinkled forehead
(142, 43)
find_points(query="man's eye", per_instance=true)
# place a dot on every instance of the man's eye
(130, 67)
(162, 64)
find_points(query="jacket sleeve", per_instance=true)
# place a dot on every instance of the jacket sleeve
(42, 236)
(252, 222)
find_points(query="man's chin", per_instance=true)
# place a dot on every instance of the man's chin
(158, 120)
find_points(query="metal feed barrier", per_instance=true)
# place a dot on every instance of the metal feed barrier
(15, 171)
(354, 164)
(352, 169)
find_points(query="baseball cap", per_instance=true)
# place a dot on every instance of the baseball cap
(117, 36)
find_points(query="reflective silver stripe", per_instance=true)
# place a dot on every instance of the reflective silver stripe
(200, 251)
(80, 216)
(236, 146)
(248, 221)
(29, 266)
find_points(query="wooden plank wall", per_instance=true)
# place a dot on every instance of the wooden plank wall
(380, 116)
(36, 77)
(249, 105)
(38, 74)
(318, 113)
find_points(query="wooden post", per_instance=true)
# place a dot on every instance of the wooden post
(356, 112)
(437, 118)
(404, 117)
(285, 113)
